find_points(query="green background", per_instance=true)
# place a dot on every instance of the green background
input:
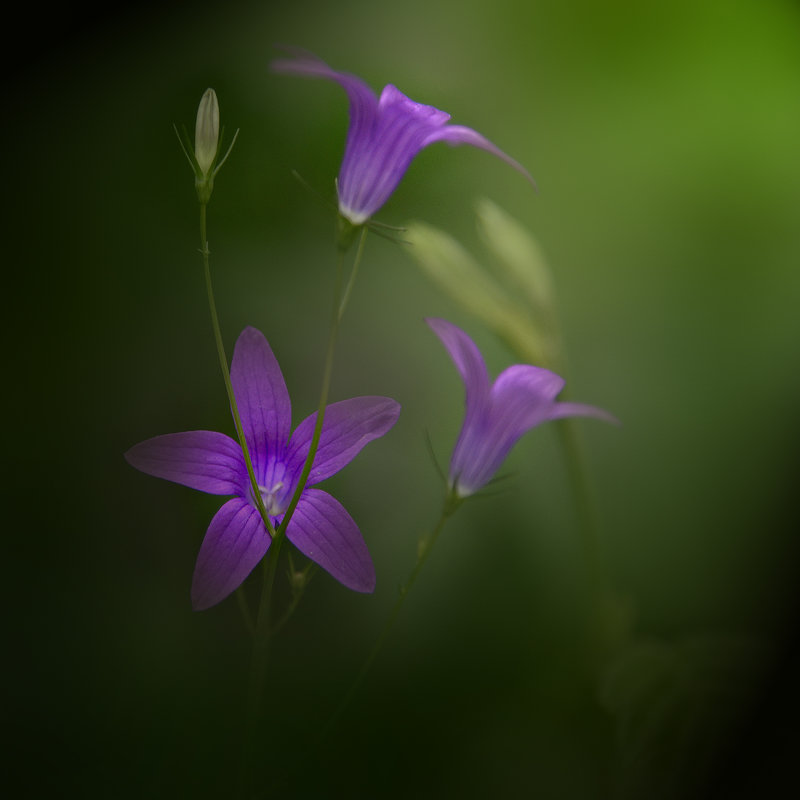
(665, 140)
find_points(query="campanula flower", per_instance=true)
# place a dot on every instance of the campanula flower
(211, 462)
(384, 136)
(497, 414)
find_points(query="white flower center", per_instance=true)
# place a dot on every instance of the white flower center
(272, 503)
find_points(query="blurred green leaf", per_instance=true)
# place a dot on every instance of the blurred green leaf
(517, 255)
(515, 304)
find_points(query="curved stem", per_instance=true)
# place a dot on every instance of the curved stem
(609, 614)
(336, 318)
(258, 668)
(223, 363)
(587, 515)
(296, 598)
(263, 632)
(353, 273)
(426, 543)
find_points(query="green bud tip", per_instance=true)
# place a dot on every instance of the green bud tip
(206, 134)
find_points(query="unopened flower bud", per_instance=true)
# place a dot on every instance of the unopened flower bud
(206, 135)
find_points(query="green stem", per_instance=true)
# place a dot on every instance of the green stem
(451, 503)
(223, 362)
(258, 668)
(296, 598)
(587, 516)
(336, 317)
(609, 615)
(262, 633)
(353, 273)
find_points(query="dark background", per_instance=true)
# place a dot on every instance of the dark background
(664, 139)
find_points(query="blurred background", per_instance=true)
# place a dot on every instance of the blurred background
(664, 139)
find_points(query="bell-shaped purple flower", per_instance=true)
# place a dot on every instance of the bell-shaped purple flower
(498, 413)
(384, 136)
(237, 538)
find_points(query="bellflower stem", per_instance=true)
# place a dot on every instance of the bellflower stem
(258, 666)
(262, 637)
(586, 512)
(339, 303)
(425, 545)
(223, 362)
(263, 628)
(602, 598)
(263, 624)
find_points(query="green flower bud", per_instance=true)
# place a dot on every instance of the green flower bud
(206, 136)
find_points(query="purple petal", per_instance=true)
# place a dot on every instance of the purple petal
(363, 110)
(235, 542)
(349, 425)
(363, 102)
(262, 399)
(469, 363)
(376, 159)
(521, 398)
(526, 393)
(321, 529)
(204, 460)
(460, 134)
(383, 138)
(562, 410)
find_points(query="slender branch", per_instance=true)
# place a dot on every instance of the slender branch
(263, 632)
(223, 363)
(296, 598)
(353, 273)
(336, 317)
(587, 514)
(426, 543)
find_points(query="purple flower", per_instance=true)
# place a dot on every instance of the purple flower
(384, 136)
(497, 414)
(237, 538)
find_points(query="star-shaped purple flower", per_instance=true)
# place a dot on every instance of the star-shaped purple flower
(237, 538)
(497, 414)
(384, 136)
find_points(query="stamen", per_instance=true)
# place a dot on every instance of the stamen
(269, 496)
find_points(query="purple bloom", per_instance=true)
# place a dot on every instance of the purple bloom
(497, 414)
(384, 136)
(237, 538)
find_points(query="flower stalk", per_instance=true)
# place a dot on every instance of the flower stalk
(337, 311)
(226, 375)
(424, 547)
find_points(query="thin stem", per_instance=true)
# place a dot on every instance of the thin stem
(262, 633)
(608, 614)
(223, 362)
(587, 516)
(426, 543)
(353, 273)
(336, 317)
(297, 597)
(258, 667)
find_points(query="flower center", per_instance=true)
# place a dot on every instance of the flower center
(272, 499)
